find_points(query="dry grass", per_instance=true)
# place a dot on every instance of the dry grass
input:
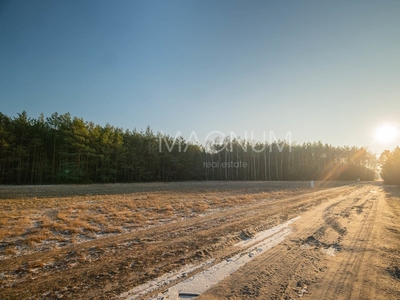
(38, 236)
(69, 219)
(36, 264)
(10, 251)
(3, 233)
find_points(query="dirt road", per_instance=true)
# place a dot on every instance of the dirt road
(344, 246)
(361, 231)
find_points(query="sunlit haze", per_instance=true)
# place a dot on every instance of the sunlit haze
(326, 71)
(386, 134)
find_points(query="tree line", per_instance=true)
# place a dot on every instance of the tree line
(66, 149)
(390, 162)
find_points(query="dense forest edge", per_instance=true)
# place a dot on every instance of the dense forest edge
(65, 149)
(390, 163)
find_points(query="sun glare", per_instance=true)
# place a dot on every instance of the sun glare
(386, 133)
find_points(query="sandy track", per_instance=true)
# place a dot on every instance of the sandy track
(347, 221)
(352, 225)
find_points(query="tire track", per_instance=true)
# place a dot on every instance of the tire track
(278, 273)
(225, 251)
(341, 283)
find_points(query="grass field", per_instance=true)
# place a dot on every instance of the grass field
(34, 218)
(99, 241)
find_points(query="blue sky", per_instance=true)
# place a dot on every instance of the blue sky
(324, 70)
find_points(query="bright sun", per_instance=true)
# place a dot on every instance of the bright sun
(386, 133)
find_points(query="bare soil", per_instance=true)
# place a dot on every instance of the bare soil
(56, 242)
